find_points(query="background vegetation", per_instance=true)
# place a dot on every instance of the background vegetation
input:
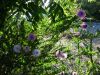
(51, 25)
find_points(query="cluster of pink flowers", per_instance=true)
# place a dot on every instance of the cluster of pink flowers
(17, 48)
(61, 55)
(82, 15)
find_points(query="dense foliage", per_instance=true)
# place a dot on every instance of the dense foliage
(40, 39)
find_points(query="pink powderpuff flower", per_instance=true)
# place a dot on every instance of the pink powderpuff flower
(31, 37)
(36, 52)
(81, 14)
(84, 25)
(26, 49)
(17, 48)
(74, 73)
(61, 55)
